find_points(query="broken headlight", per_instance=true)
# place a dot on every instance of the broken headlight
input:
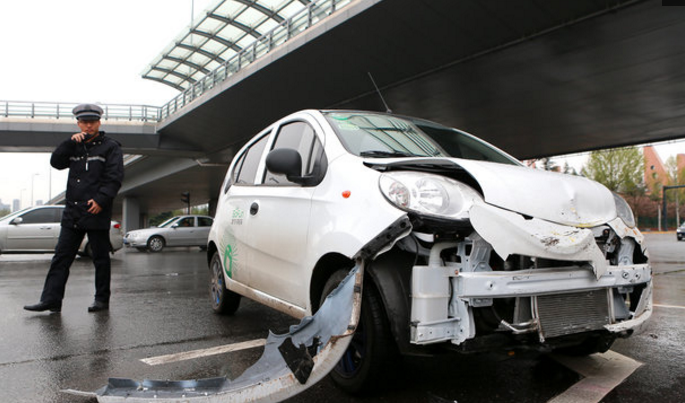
(624, 211)
(428, 194)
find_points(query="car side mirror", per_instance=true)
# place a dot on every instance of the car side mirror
(174, 226)
(286, 161)
(17, 220)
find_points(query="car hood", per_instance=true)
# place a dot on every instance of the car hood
(556, 197)
(144, 231)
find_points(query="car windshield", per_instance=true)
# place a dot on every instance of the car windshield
(16, 213)
(168, 222)
(387, 136)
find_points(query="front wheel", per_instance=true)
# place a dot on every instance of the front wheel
(155, 244)
(372, 353)
(224, 301)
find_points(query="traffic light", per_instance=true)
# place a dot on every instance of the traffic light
(185, 198)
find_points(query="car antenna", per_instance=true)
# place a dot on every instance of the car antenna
(387, 108)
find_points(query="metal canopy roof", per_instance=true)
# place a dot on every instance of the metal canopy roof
(227, 27)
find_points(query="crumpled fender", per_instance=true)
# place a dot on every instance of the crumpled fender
(290, 363)
(510, 233)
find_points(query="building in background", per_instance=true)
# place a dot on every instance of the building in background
(656, 172)
(16, 205)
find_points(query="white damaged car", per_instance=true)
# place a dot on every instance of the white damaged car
(485, 253)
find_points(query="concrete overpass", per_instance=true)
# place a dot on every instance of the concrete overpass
(535, 78)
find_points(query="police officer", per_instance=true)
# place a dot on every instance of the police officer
(96, 170)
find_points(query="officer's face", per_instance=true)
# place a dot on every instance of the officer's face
(89, 126)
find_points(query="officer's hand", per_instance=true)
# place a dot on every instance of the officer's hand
(94, 207)
(78, 137)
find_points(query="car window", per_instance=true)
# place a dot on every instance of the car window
(204, 222)
(168, 222)
(234, 175)
(187, 222)
(44, 215)
(248, 168)
(298, 136)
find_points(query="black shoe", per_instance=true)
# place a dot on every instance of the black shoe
(98, 306)
(45, 306)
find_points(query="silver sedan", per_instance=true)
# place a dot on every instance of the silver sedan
(188, 230)
(36, 230)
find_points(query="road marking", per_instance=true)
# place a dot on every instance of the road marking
(601, 372)
(670, 306)
(189, 355)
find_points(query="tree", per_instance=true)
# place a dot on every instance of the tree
(620, 169)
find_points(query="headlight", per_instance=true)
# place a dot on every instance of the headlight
(624, 211)
(428, 194)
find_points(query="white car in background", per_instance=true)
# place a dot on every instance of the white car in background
(185, 230)
(36, 230)
(464, 248)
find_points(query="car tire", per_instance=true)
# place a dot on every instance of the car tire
(372, 355)
(224, 301)
(155, 244)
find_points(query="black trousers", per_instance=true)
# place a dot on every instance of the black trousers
(65, 252)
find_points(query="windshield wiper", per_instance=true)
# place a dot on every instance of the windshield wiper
(385, 154)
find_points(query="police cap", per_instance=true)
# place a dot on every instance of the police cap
(87, 112)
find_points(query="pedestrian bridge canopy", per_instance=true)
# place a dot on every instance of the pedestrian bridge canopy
(229, 36)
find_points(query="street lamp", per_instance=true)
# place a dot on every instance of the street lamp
(32, 176)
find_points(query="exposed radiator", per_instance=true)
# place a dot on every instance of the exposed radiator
(563, 314)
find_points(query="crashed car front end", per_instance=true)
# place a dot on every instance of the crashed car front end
(563, 268)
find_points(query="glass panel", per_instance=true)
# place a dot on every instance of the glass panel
(377, 135)
(44, 215)
(204, 222)
(249, 169)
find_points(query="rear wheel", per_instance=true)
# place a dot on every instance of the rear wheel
(372, 354)
(224, 301)
(155, 244)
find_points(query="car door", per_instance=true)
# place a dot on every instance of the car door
(278, 218)
(181, 232)
(233, 246)
(37, 231)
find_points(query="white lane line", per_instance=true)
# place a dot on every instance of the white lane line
(601, 372)
(670, 306)
(189, 355)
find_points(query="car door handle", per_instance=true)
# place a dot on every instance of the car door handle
(254, 208)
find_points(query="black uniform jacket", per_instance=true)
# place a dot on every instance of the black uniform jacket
(96, 170)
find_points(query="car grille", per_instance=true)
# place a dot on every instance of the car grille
(563, 314)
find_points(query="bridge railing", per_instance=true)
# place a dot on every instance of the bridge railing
(287, 29)
(62, 110)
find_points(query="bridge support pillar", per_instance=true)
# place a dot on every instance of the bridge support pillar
(131, 214)
(212, 206)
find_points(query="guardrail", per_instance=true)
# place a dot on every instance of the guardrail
(59, 110)
(287, 29)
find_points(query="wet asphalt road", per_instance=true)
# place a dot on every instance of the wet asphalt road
(160, 306)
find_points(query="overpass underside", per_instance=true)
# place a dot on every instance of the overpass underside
(534, 78)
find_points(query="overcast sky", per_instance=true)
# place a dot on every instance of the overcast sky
(80, 51)
(90, 51)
